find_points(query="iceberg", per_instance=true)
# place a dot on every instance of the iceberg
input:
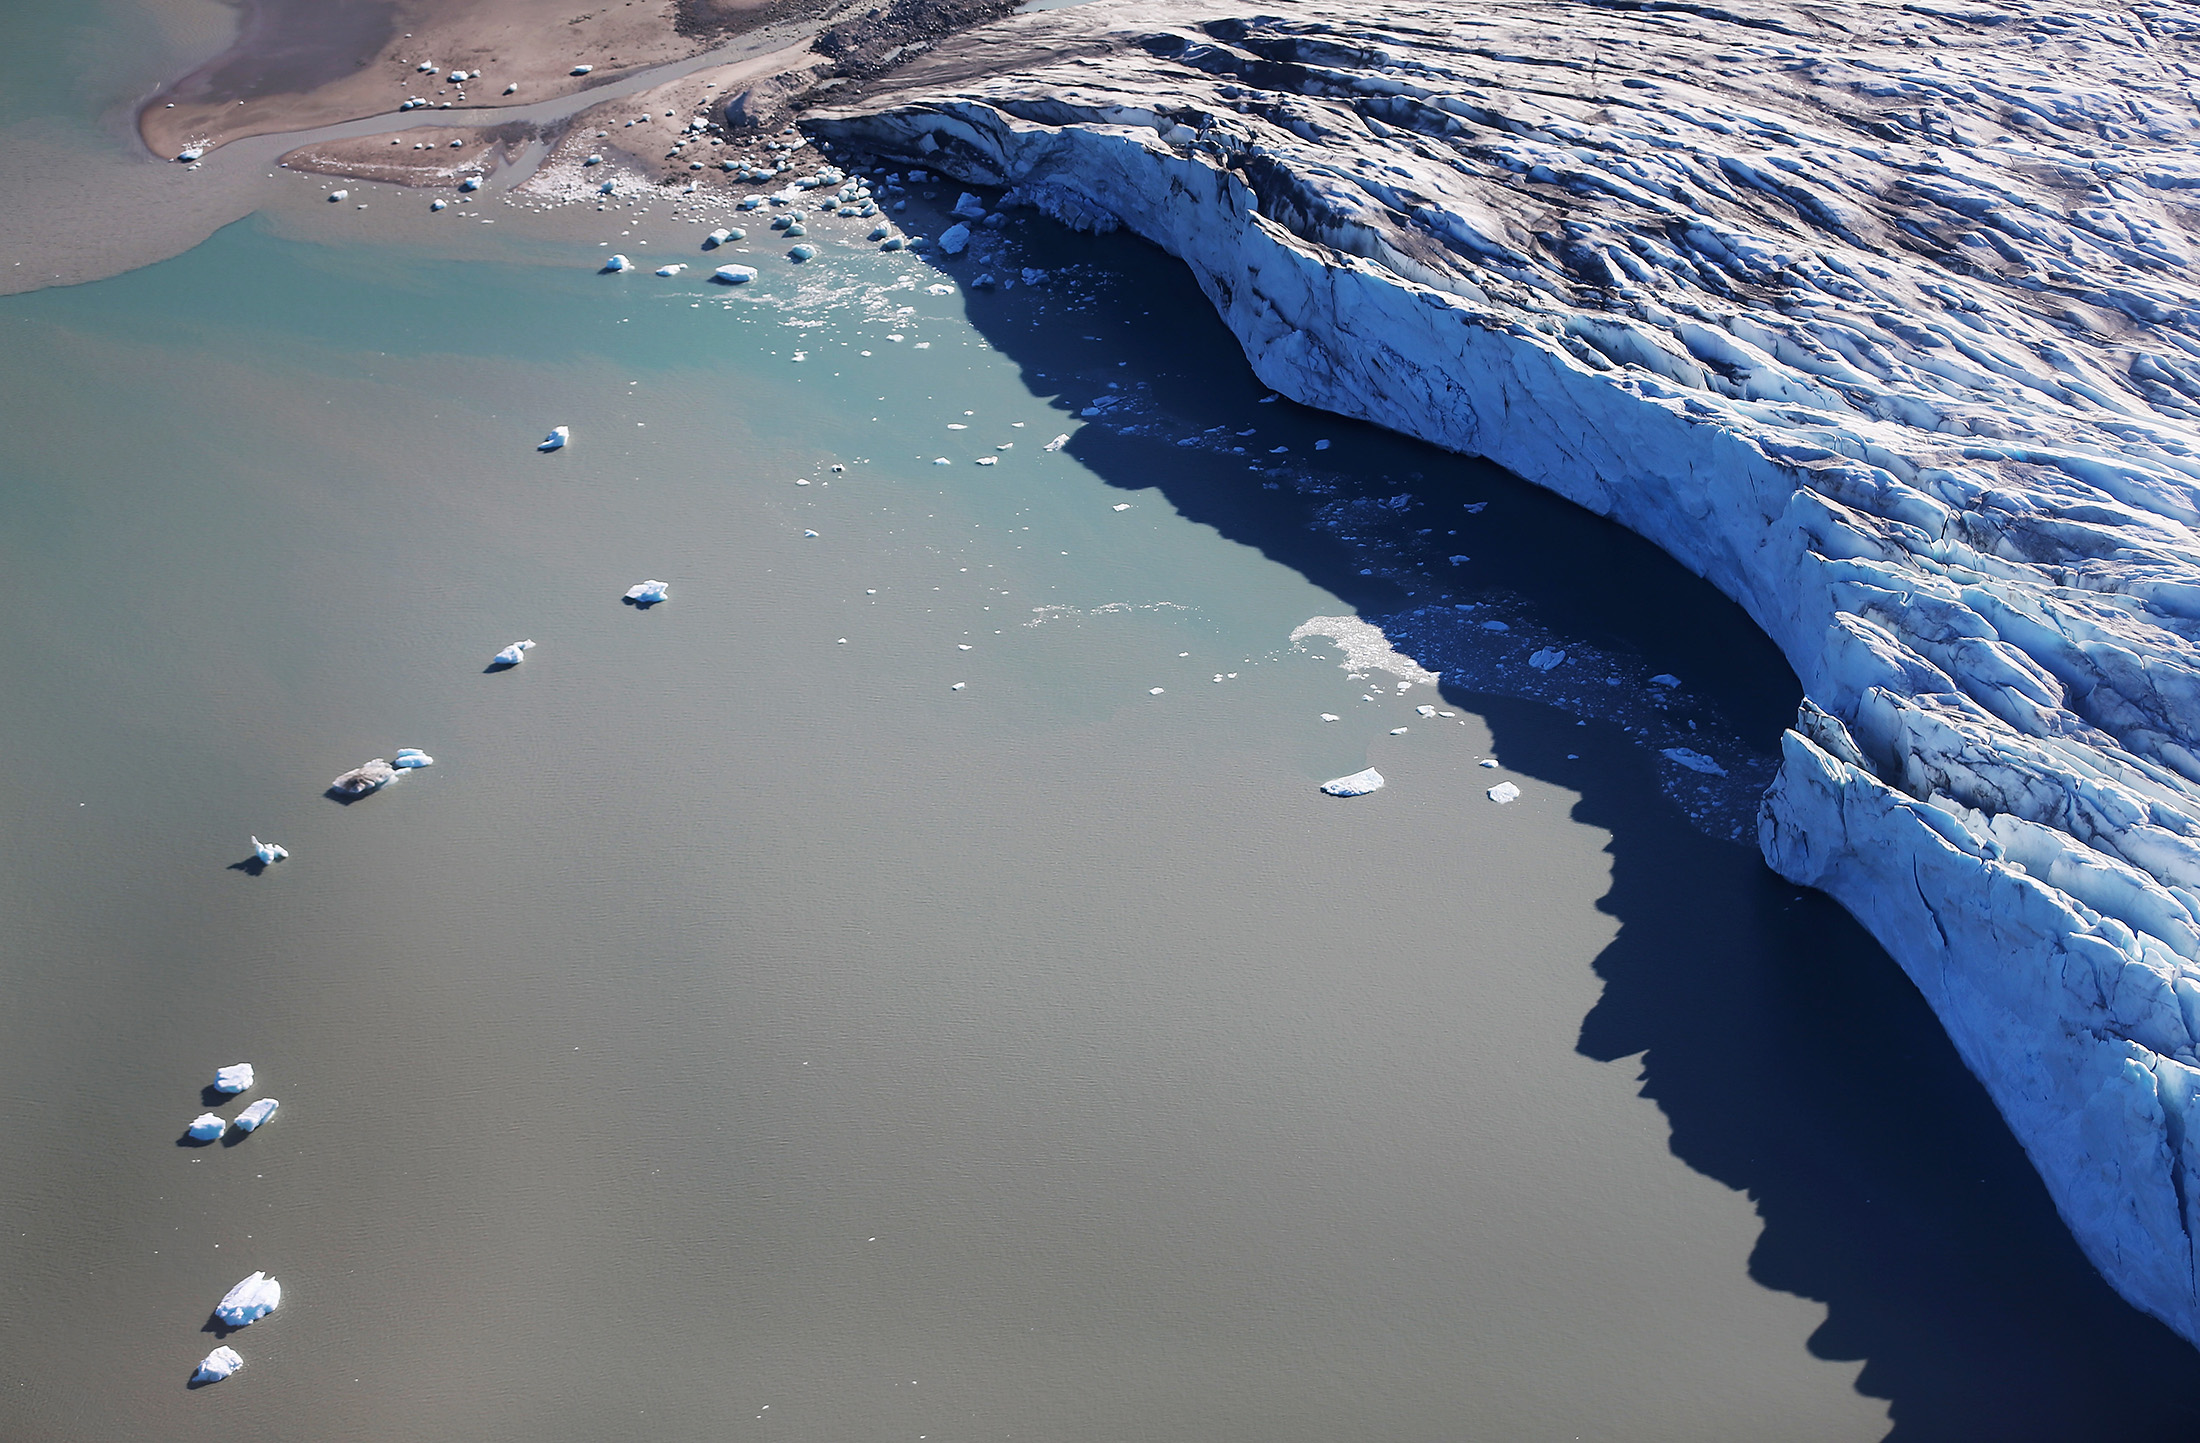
(618, 263)
(556, 440)
(512, 655)
(672, 270)
(237, 1077)
(648, 593)
(969, 207)
(1359, 784)
(1504, 793)
(366, 777)
(267, 854)
(1883, 335)
(258, 1113)
(249, 1301)
(205, 1127)
(801, 253)
(717, 238)
(1057, 443)
(412, 759)
(217, 1365)
(338, 195)
(955, 239)
(734, 275)
(580, 70)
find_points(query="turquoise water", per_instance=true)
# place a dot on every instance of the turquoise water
(740, 1032)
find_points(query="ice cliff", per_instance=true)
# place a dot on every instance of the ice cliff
(1882, 318)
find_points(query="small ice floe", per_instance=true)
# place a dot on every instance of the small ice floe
(895, 243)
(1359, 784)
(717, 238)
(1153, 691)
(672, 270)
(1057, 443)
(512, 655)
(1547, 658)
(190, 153)
(1424, 711)
(267, 854)
(880, 232)
(941, 461)
(1330, 716)
(412, 759)
(795, 230)
(337, 195)
(205, 1127)
(988, 460)
(439, 205)
(618, 263)
(1504, 793)
(1321, 445)
(249, 1301)
(580, 70)
(217, 1365)
(958, 686)
(811, 534)
(969, 207)
(1495, 626)
(1487, 762)
(1397, 731)
(470, 183)
(736, 233)
(259, 1112)
(649, 593)
(237, 1077)
(364, 778)
(557, 438)
(1122, 505)
(1665, 678)
(734, 275)
(955, 239)
(802, 253)
(1695, 761)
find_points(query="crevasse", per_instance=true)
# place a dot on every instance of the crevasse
(1884, 322)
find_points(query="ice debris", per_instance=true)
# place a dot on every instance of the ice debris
(672, 270)
(249, 1301)
(1665, 678)
(190, 153)
(618, 263)
(1504, 793)
(217, 1365)
(411, 759)
(1695, 761)
(1359, 784)
(470, 183)
(558, 436)
(801, 253)
(237, 1077)
(338, 195)
(1057, 443)
(364, 778)
(512, 655)
(955, 239)
(1546, 659)
(648, 593)
(734, 275)
(206, 1127)
(969, 207)
(258, 1113)
(267, 854)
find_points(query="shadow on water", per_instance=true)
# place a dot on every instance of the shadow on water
(1790, 1056)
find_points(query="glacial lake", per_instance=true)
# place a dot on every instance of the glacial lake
(742, 1032)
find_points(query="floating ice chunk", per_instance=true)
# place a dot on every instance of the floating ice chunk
(1495, 626)
(987, 460)
(1503, 793)
(940, 288)
(337, 195)
(969, 207)
(736, 233)
(364, 778)
(580, 70)
(880, 232)
(1397, 731)
(267, 854)
(1695, 761)
(895, 243)
(190, 153)
(1330, 716)
(618, 263)
(237, 1077)
(1487, 762)
(954, 239)
(941, 461)
(412, 759)
(1057, 443)
(259, 1112)
(1424, 711)
(218, 1365)
(205, 1127)
(1153, 691)
(471, 182)
(733, 275)
(717, 238)
(558, 436)
(249, 1301)
(439, 204)
(802, 253)
(672, 270)
(649, 593)
(512, 655)
(512, 89)
(811, 534)
(1359, 784)
(1665, 678)
(1122, 505)
(1547, 658)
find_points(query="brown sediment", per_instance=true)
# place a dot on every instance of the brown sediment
(437, 155)
(297, 64)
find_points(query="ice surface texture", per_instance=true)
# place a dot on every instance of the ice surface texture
(1888, 328)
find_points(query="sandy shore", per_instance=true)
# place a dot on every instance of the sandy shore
(299, 64)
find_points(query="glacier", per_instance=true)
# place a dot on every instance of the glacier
(1883, 320)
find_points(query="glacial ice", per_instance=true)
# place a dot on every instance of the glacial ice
(1359, 784)
(734, 275)
(258, 1113)
(411, 759)
(206, 1127)
(249, 1301)
(969, 207)
(618, 263)
(1504, 794)
(237, 1077)
(267, 854)
(955, 239)
(217, 1365)
(672, 270)
(1889, 328)
(364, 778)
(648, 593)
(557, 438)
(512, 655)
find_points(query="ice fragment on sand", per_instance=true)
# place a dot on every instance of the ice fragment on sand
(1057, 443)
(439, 205)
(1359, 784)
(337, 195)
(988, 460)
(1503, 793)
(941, 461)
(267, 854)
(558, 436)
(513, 655)
(217, 1365)
(1695, 761)
(237, 1077)
(364, 778)
(733, 275)
(249, 1301)
(259, 1112)
(958, 686)
(618, 263)
(954, 239)
(1547, 658)
(717, 238)
(1153, 691)
(592, 160)
(649, 593)
(205, 1127)
(580, 70)
(190, 153)
(471, 182)
(1486, 762)
(811, 534)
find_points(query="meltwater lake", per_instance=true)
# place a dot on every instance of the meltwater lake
(908, 985)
